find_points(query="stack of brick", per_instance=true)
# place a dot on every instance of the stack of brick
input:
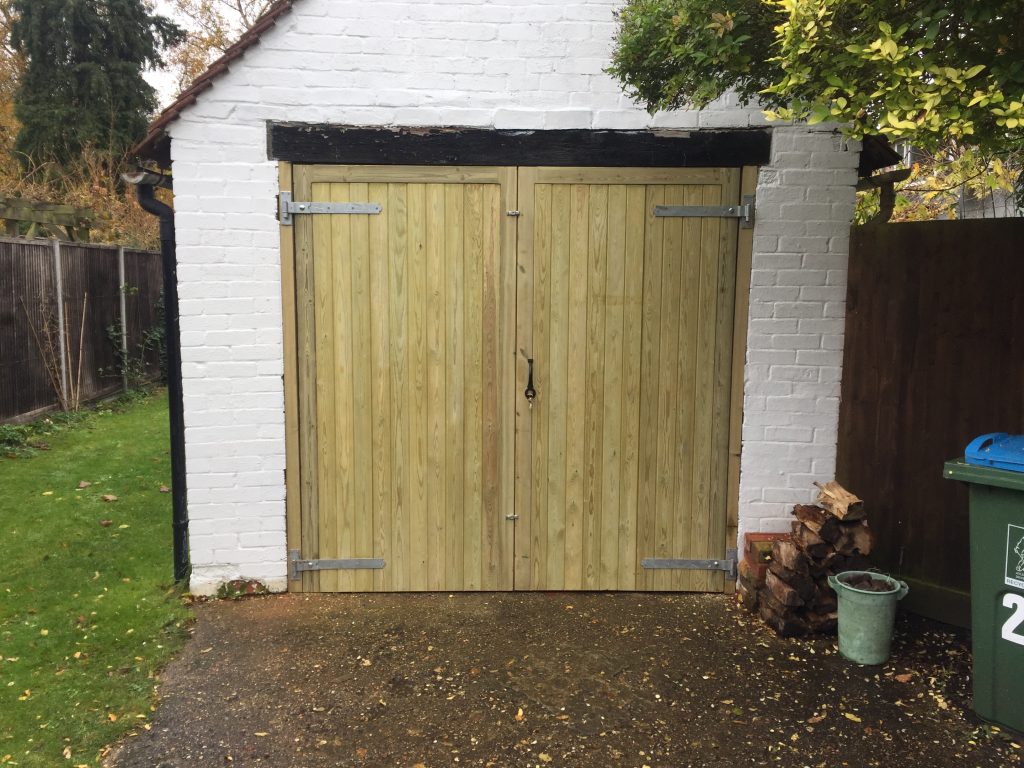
(753, 566)
(792, 592)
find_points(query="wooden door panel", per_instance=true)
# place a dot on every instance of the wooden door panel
(413, 331)
(628, 319)
(410, 395)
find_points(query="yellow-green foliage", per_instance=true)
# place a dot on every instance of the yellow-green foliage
(922, 72)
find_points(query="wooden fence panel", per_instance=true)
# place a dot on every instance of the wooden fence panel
(26, 281)
(934, 357)
(90, 271)
(29, 278)
(144, 280)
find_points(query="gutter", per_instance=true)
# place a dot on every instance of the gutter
(145, 185)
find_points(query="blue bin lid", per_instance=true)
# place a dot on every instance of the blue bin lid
(997, 449)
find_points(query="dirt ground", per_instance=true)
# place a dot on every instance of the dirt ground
(551, 679)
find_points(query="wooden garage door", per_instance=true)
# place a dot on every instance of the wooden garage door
(406, 406)
(628, 319)
(417, 448)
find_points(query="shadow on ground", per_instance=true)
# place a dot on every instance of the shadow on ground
(551, 679)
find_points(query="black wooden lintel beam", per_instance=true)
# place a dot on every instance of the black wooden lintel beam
(348, 145)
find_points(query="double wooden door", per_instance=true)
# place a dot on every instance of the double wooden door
(420, 326)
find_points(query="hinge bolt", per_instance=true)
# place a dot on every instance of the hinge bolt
(513, 213)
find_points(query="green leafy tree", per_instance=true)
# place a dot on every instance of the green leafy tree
(82, 85)
(921, 71)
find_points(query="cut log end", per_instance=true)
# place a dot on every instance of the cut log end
(839, 501)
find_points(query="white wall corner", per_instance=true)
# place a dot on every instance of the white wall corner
(805, 204)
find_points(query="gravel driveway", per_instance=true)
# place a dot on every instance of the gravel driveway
(550, 679)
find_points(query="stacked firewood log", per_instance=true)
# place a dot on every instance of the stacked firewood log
(829, 537)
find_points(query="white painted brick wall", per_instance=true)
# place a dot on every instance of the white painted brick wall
(528, 64)
(805, 201)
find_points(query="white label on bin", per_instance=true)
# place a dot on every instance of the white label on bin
(1016, 604)
(1014, 574)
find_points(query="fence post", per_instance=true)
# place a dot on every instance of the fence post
(124, 317)
(62, 341)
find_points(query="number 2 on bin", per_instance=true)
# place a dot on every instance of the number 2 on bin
(1016, 602)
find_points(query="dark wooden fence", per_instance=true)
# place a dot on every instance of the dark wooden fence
(934, 357)
(117, 289)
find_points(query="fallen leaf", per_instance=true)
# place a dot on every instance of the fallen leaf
(904, 678)
(47, 493)
(164, 489)
(84, 484)
(851, 716)
(544, 757)
(108, 497)
(815, 719)
(366, 662)
(361, 753)
(520, 716)
(106, 523)
(111, 717)
(261, 733)
(67, 753)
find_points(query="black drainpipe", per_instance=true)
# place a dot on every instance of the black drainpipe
(144, 189)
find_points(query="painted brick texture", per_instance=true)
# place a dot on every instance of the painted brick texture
(805, 201)
(535, 64)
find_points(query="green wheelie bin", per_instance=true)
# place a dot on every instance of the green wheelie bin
(993, 468)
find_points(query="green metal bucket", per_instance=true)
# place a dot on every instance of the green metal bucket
(866, 618)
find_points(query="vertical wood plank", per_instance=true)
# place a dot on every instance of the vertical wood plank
(344, 400)
(380, 344)
(436, 394)
(491, 514)
(594, 432)
(689, 378)
(539, 353)
(674, 267)
(473, 486)
(720, 419)
(575, 449)
(611, 438)
(696, 525)
(650, 364)
(556, 362)
(508, 367)
(362, 390)
(398, 306)
(293, 480)
(524, 342)
(323, 277)
(632, 340)
(417, 387)
(455, 355)
(306, 339)
(744, 257)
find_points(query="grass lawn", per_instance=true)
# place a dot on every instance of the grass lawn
(88, 613)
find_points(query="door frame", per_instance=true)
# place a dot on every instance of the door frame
(293, 486)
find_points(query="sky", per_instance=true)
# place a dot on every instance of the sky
(161, 80)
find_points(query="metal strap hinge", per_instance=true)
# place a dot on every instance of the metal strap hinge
(728, 564)
(744, 211)
(287, 208)
(298, 565)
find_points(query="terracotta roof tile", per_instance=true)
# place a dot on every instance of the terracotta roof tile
(155, 146)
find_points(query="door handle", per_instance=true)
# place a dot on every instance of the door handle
(529, 393)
